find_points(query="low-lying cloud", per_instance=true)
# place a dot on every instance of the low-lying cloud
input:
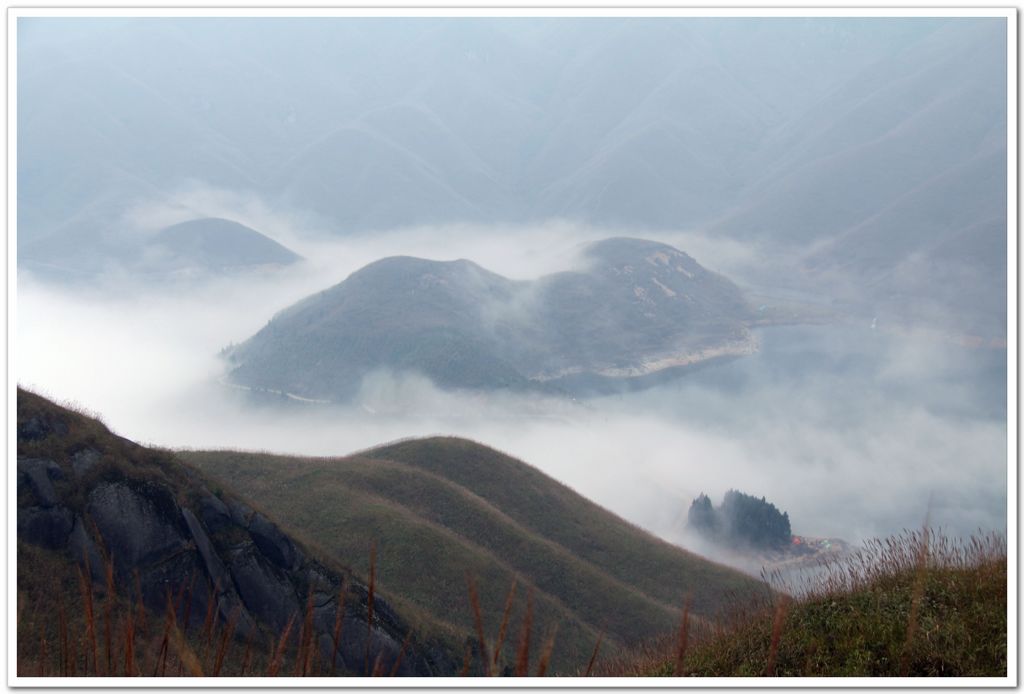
(849, 430)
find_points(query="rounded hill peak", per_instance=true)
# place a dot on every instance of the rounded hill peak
(219, 242)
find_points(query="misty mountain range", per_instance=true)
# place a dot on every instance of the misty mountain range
(635, 308)
(655, 257)
(859, 155)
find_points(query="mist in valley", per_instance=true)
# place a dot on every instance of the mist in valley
(855, 432)
(853, 168)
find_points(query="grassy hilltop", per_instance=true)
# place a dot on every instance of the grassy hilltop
(440, 508)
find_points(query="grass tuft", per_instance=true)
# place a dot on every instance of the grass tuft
(918, 604)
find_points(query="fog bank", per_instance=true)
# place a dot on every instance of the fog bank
(850, 430)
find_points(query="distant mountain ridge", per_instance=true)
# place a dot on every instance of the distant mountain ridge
(200, 247)
(807, 137)
(636, 308)
(424, 120)
(213, 243)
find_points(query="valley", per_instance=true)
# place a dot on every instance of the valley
(418, 346)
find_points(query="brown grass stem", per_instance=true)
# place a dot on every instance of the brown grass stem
(506, 614)
(545, 656)
(478, 622)
(401, 654)
(593, 656)
(684, 638)
(523, 654)
(275, 662)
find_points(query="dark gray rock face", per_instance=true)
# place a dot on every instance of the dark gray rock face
(214, 566)
(215, 514)
(47, 527)
(84, 551)
(38, 475)
(240, 513)
(264, 588)
(272, 542)
(135, 530)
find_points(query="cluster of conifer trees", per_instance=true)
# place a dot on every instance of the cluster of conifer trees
(741, 520)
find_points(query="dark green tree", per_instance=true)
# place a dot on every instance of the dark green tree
(702, 516)
(741, 520)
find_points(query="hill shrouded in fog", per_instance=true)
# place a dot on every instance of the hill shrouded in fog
(251, 242)
(635, 308)
(853, 150)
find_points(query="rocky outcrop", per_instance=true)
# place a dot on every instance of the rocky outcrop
(272, 542)
(37, 475)
(103, 501)
(135, 524)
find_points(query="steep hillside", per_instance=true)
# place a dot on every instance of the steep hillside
(634, 309)
(438, 508)
(149, 531)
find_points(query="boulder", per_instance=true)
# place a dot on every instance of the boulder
(84, 550)
(266, 592)
(133, 526)
(274, 544)
(240, 513)
(215, 514)
(38, 474)
(181, 576)
(48, 527)
(219, 576)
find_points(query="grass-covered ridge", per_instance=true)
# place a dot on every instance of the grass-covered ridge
(442, 508)
(915, 605)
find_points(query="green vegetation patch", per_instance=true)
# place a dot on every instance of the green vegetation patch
(914, 606)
